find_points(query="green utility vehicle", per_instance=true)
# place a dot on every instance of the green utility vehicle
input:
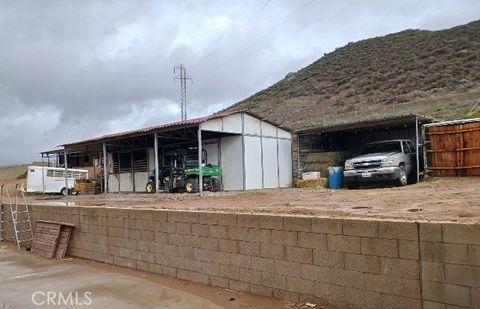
(182, 175)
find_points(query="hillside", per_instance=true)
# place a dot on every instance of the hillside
(427, 72)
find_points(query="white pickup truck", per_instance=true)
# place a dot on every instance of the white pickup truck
(392, 161)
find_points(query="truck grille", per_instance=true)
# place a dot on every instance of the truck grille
(365, 165)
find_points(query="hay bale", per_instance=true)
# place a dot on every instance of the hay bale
(312, 183)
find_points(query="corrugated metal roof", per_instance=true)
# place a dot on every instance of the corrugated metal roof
(172, 125)
(452, 122)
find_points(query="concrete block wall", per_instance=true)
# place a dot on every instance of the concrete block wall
(343, 263)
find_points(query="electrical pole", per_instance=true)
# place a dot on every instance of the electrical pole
(183, 77)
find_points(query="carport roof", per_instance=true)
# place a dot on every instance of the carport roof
(163, 127)
(387, 121)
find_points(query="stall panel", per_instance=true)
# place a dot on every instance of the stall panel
(285, 162)
(270, 163)
(113, 184)
(212, 125)
(141, 180)
(253, 166)
(232, 163)
(212, 152)
(126, 182)
(268, 129)
(233, 123)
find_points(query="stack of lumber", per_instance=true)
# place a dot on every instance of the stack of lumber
(312, 183)
(51, 239)
(321, 161)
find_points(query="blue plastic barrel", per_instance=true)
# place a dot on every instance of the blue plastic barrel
(335, 177)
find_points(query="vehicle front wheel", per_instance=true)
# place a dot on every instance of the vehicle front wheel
(150, 187)
(191, 185)
(402, 177)
(63, 191)
(352, 185)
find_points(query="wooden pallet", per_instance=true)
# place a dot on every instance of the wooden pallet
(51, 239)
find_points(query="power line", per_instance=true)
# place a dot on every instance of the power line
(235, 31)
(265, 35)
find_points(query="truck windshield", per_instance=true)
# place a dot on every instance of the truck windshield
(382, 147)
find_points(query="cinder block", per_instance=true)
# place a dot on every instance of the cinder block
(326, 226)
(300, 285)
(272, 251)
(219, 281)
(350, 278)
(160, 215)
(207, 218)
(260, 235)
(287, 238)
(175, 216)
(343, 243)
(446, 293)
(393, 285)
(240, 260)
(474, 255)
(461, 233)
(239, 286)
(183, 228)
(462, 275)
(230, 272)
(205, 243)
(360, 228)
(302, 255)
(394, 302)
(334, 294)
(270, 222)
(227, 219)
(398, 230)
(433, 305)
(228, 245)
(193, 265)
(328, 258)
(380, 247)
(359, 298)
(274, 280)
(285, 295)
(217, 231)
(237, 233)
(430, 232)
(251, 276)
(316, 273)
(200, 229)
(192, 276)
(210, 268)
(291, 269)
(408, 249)
(301, 224)
(432, 271)
(247, 220)
(263, 264)
(190, 217)
(400, 268)
(249, 248)
(312, 240)
(175, 239)
(124, 262)
(212, 256)
(166, 227)
(443, 252)
(260, 290)
(363, 263)
(475, 297)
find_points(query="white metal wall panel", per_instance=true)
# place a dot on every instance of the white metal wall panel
(212, 125)
(113, 184)
(251, 125)
(141, 179)
(233, 123)
(110, 162)
(253, 163)
(283, 133)
(270, 163)
(151, 159)
(126, 182)
(232, 163)
(268, 129)
(212, 152)
(285, 162)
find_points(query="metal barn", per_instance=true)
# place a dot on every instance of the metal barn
(253, 153)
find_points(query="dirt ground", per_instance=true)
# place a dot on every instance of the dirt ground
(436, 199)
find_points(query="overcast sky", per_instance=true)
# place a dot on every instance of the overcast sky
(76, 69)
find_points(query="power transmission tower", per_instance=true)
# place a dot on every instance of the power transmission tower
(183, 77)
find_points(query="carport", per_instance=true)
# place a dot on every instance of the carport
(320, 147)
(252, 152)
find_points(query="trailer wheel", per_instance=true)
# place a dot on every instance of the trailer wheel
(63, 191)
(191, 185)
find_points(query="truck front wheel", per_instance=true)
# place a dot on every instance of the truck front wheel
(402, 177)
(191, 185)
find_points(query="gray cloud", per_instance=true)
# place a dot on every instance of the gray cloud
(76, 69)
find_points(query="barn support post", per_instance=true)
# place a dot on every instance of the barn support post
(155, 152)
(416, 147)
(200, 172)
(43, 175)
(105, 169)
(66, 169)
